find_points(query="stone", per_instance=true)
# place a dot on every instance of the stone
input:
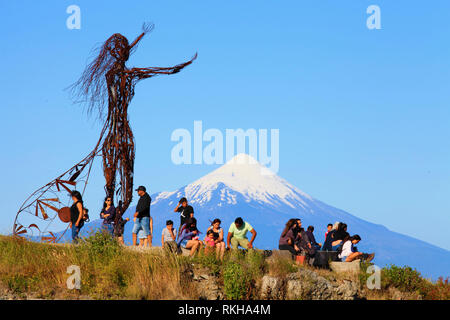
(307, 285)
(347, 290)
(207, 285)
(185, 252)
(343, 267)
(279, 254)
(271, 288)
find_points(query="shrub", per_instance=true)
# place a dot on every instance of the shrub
(403, 278)
(439, 291)
(236, 281)
(101, 247)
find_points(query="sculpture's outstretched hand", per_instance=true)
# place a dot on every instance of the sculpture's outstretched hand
(144, 73)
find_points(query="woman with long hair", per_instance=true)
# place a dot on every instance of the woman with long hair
(76, 214)
(108, 214)
(218, 238)
(188, 237)
(287, 238)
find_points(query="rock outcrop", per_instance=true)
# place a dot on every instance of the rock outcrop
(307, 285)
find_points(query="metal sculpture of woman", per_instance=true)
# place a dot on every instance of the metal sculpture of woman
(105, 83)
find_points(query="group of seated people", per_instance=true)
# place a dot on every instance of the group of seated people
(303, 246)
(189, 237)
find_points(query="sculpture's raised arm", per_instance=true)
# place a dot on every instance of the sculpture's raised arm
(146, 29)
(144, 73)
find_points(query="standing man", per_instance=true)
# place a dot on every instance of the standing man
(237, 235)
(186, 211)
(142, 217)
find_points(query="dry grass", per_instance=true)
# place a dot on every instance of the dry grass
(111, 271)
(108, 271)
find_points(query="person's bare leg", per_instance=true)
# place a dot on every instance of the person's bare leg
(222, 250)
(145, 241)
(194, 248)
(149, 239)
(353, 256)
(134, 239)
(218, 250)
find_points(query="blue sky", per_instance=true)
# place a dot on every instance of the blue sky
(363, 114)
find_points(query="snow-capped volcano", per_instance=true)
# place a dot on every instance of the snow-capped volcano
(244, 188)
(243, 175)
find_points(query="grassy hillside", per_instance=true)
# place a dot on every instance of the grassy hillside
(110, 271)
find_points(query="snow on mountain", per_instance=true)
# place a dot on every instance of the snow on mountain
(242, 187)
(244, 175)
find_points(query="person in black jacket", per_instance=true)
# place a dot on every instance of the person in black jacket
(142, 217)
(186, 212)
(312, 238)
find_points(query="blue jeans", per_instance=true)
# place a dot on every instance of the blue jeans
(75, 232)
(108, 228)
(144, 224)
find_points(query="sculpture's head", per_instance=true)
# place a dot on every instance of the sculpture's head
(92, 87)
(118, 47)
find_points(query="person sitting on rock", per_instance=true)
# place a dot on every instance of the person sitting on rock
(237, 235)
(339, 236)
(188, 237)
(304, 243)
(328, 245)
(287, 238)
(218, 238)
(168, 237)
(349, 252)
(209, 242)
(312, 239)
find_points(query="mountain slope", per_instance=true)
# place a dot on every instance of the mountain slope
(244, 188)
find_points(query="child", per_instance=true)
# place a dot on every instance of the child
(168, 237)
(209, 241)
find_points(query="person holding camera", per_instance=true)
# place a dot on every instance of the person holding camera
(186, 211)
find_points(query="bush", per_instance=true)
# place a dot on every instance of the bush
(236, 281)
(100, 247)
(439, 291)
(403, 278)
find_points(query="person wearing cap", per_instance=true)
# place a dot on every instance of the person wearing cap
(142, 217)
(186, 211)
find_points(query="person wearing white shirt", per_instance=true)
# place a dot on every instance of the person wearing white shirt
(349, 253)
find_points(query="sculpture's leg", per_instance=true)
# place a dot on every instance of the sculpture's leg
(127, 153)
(109, 154)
